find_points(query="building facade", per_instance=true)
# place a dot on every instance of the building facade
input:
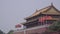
(40, 20)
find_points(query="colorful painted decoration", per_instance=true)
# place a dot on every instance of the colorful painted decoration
(42, 19)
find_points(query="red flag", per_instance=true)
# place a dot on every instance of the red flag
(18, 26)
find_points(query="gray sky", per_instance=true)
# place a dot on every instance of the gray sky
(13, 12)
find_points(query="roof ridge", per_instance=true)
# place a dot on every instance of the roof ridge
(44, 8)
(41, 10)
(38, 11)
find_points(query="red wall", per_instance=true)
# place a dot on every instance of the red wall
(33, 31)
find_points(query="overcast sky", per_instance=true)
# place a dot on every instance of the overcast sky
(13, 12)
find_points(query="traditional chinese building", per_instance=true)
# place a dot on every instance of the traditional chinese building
(40, 20)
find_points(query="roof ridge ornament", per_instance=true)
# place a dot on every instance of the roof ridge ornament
(51, 4)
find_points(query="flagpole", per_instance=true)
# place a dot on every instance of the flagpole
(24, 29)
(24, 32)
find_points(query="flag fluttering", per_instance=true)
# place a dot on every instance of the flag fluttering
(18, 26)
